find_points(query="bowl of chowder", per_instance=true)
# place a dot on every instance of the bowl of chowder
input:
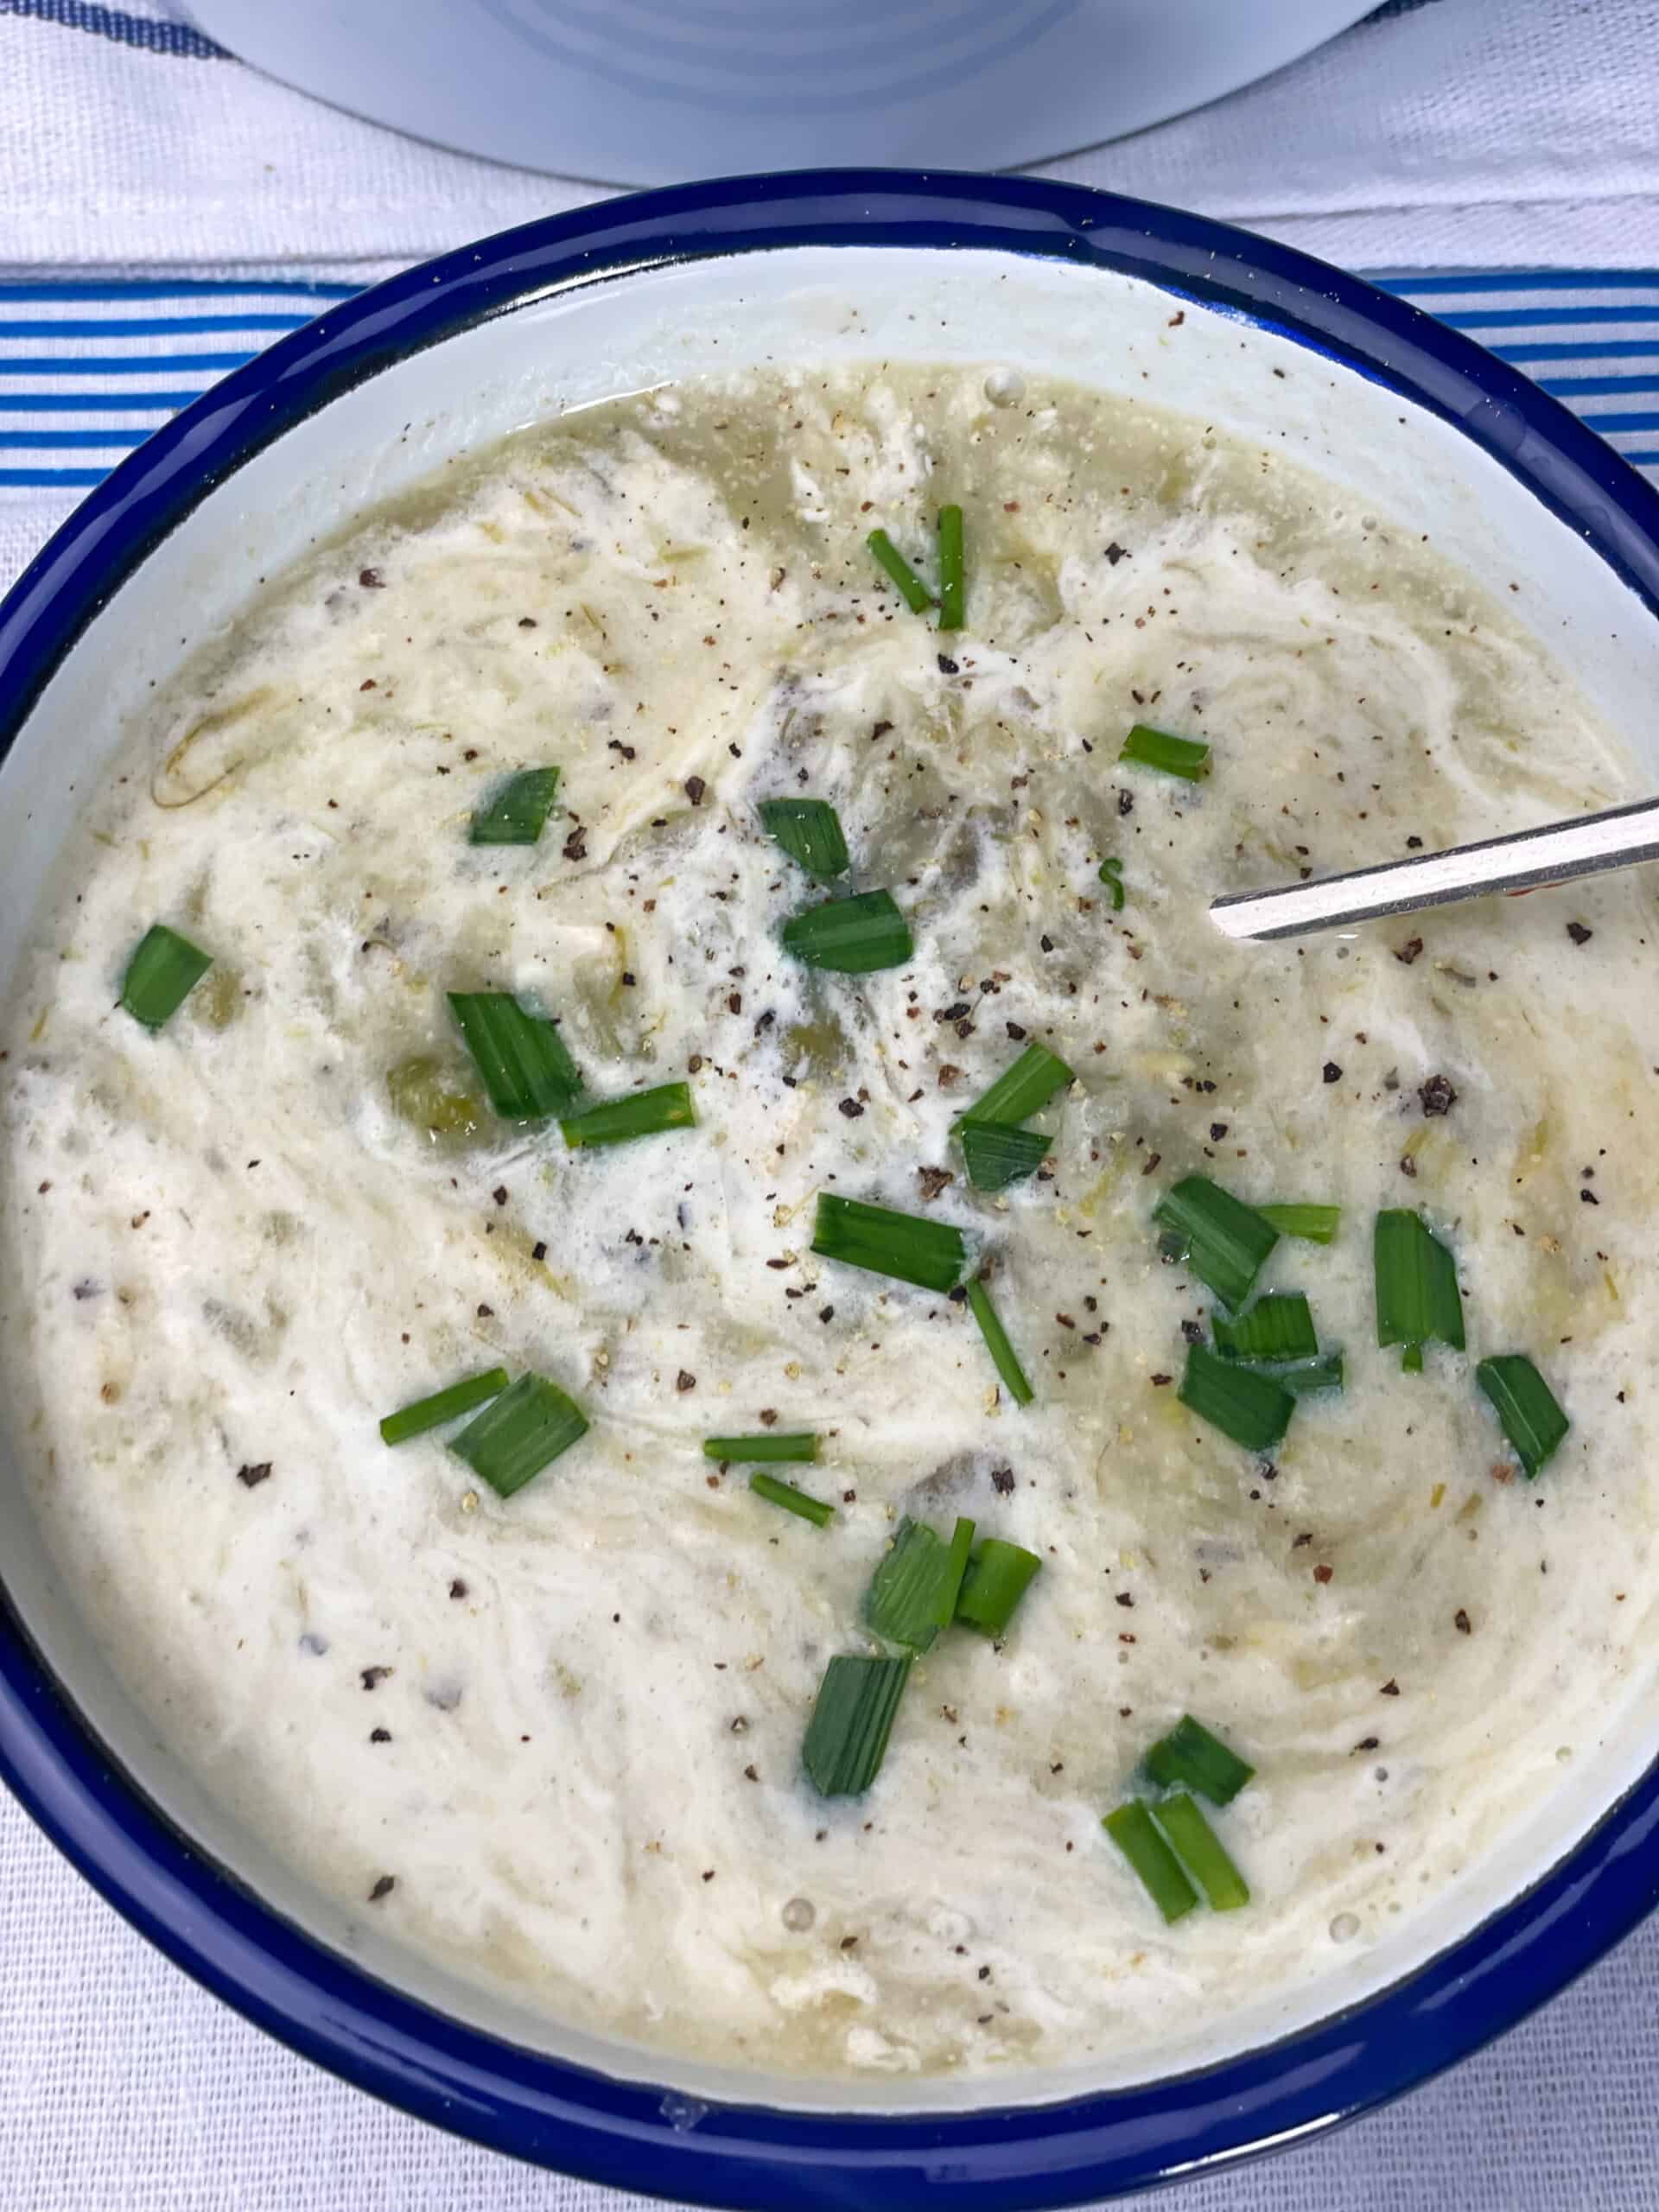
(724, 1459)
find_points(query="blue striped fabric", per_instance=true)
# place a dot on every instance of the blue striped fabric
(87, 371)
(119, 24)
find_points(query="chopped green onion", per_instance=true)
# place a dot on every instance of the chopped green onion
(1307, 1377)
(517, 814)
(1131, 1829)
(1417, 1300)
(162, 972)
(1004, 1357)
(852, 936)
(953, 578)
(1314, 1224)
(997, 1578)
(950, 1590)
(917, 595)
(1201, 1848)
(640, 1114)
(521, 1056)
(933, 1254)
(1525, 1406)
(912, 1593)
(1176, 756)
(526, 1430)
(996, 1153)
(1411, 1360)
(443, 1405)
(1189, 1758)
(1111, 875)
(808, 830)
(1225, 1240)
(1279, 1326)
(1020, 1090)
(1243, 1403)
(747, 1451)
(847, 1736)
(792, 1500)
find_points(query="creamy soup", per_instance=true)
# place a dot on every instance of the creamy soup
(554, 1739)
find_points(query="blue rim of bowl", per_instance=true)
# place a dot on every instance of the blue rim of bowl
(627, 2134)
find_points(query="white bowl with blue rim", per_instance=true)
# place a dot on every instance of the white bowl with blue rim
(1039, 279)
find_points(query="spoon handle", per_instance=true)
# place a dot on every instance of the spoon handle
(1555, 853)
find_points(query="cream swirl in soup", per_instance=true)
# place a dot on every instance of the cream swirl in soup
(554, 1738)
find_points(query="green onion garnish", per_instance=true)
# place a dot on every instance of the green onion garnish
(749, 1451)
(1279, 1326)
(641, 1114)
(443, 1405)
(164, 969)
(1417, 1300)
(1525, 1406)
(1176, 756)
(1307, 1377)
(996, 1153)
(917, 595)
(808, 830)
(1020, 1090)
(1004, 1358)
(517, 814)
(521, 1056)
(1111, 875)
(1225, 1241)
(933, 1254)
(1243, 1403)
(847, 1736)
(953, 577)
(997, 1578)
(852, 936)
(792, 1500)
(949, 1589)
(1314, 1224)
(1200, 1848)
(1130, 1827)
(912, 1593)
(526, 1430)
(1189, 1758)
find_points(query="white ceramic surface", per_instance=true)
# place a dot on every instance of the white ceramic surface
(653, 91)
(801, 306)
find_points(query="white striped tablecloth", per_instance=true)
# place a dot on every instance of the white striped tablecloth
(87, 370)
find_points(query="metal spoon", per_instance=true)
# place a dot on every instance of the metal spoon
(1556, 852)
